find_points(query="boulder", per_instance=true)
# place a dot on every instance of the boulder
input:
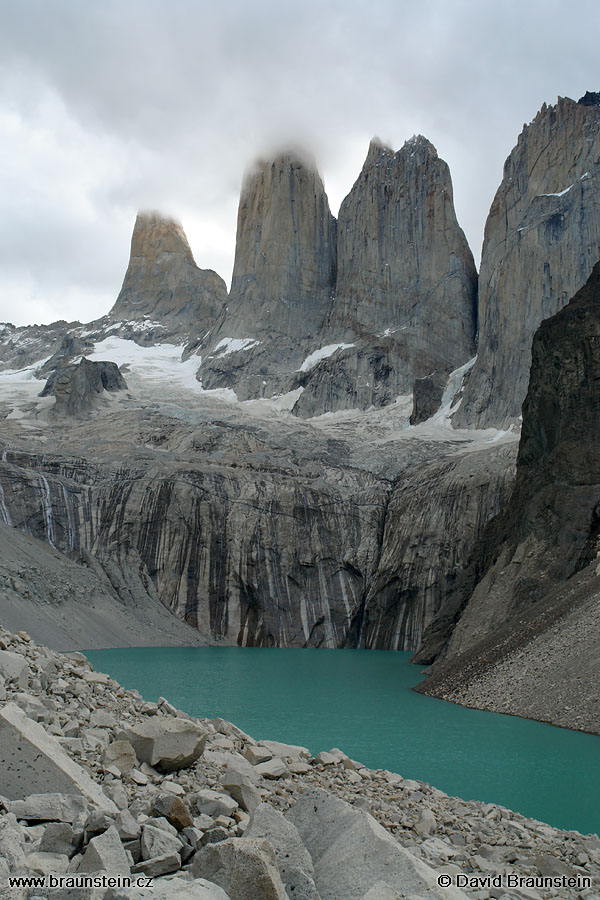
(71, 808)
(13, 667)
(287, 752)
(47, 863)
(173, 809)
(37, 762)
(214, 803)
(121, 755)
(177, 888)
(273, 768)
(255, 754)
(105, 853)
(241, 789)
(158, 865)
(11, 844)
(59, 837)
(245, 868)
(166, 744)
(156, 842)
(126, 825)
(351, 851)
(293, 859)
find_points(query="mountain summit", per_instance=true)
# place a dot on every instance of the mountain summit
(163, 283)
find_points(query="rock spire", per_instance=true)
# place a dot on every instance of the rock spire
(542, 239)
(163, 283)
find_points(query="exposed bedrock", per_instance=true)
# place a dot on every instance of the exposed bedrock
(163, 286)
(542, 239)
(78, 388)
(282, 283)
(299, 552)
(536, 562)
(432, 519)
(405, 297)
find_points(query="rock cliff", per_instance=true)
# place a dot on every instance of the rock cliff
(283, 279)
(536, 564)
(254, 531)
(405, 295)
(163, 288)
(542, 239)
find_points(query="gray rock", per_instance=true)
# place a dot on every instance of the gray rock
(38, 762)
(283, 278)
(13, 667)
(11, 844)
(72, 808)
(127, 827)
(241, 789)
(427, 396)
(273, 769)
(293, 859)
(158, 865)
(177, 888)
(105, 852)
(254, 753)
(157, 842)
(351, 851)
(46, 862)
(166, 744)
(215, 803)
(286, 752)
(245, 868)
(121, 755)
(60, 837)
(163, 285)
(405, 294)
(541, 243)
(78, 387)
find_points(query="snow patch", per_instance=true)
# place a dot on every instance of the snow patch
(278, 403)
(160, 363)
(559, 194)
(234, 345)
(317, 355)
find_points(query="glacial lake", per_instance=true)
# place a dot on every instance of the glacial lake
(361, 701)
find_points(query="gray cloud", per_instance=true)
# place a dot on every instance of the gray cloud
(107, 107)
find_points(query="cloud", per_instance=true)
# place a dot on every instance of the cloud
(110, 107)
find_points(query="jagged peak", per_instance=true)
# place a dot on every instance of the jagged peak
(418, 142)
(590, 98)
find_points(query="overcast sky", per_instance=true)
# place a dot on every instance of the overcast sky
(110, 106)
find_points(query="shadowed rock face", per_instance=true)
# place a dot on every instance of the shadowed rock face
(164, 284)
(405, 296)
(542, 238)
(77, 388)
(550, 531)
(283, 279)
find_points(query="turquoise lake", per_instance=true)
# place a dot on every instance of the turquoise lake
(361, 701)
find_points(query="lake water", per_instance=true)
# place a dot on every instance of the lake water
(360, 701)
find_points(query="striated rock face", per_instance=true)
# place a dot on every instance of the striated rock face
(542, 239)
(163, 283)
(77, 388)
(536, 562)
(283, 278)
(427, 542)
(255, 536)
(405, 294)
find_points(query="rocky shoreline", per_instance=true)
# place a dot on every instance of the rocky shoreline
(213, 813)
